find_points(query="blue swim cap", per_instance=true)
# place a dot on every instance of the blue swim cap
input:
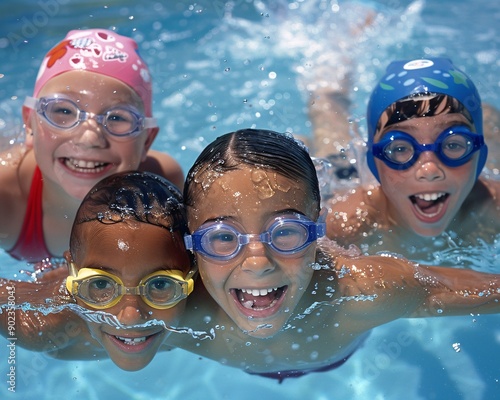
(412, 77)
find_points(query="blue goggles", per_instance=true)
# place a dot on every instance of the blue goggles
(454, 147)
(120, 122)
(286, 235)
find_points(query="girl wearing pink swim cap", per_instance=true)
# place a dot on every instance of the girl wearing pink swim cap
(90, 116)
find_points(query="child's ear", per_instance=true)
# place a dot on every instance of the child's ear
(27, 127)
(152, 132)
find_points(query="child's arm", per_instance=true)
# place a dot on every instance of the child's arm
(329, 115)
(388, 288)
(454, 291)
(61, 335)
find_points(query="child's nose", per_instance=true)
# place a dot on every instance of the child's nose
(131, 310)
(429, 167)
(257, 260)
(90, 134)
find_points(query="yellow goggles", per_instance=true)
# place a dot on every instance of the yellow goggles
(100, 289)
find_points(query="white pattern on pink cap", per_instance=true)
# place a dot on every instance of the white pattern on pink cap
(103, 52)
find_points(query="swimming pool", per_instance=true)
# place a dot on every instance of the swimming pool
(223, 67)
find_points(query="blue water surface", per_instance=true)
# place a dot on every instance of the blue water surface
(220, 66)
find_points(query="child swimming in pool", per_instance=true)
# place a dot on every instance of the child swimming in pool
(90, 116)
(281, 303)
(426, 148)
(289, 306)
(127, 259)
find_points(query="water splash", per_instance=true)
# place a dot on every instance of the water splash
(102, 317)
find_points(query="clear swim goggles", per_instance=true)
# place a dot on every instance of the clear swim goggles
(120, 122)
(286, 235)
(100, 289)
(454, 147)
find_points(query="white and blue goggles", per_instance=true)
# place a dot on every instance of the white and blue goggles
(454, 147)
(286, 235)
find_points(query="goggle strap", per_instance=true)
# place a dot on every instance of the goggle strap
(188, 242)
(150, 123)
(30, 102)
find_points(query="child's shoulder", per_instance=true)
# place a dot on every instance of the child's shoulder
(354, 212)
(16, 172)
(164, 165)
(493, 187)
(486, 192)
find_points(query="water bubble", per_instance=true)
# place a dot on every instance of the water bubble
(122, 245)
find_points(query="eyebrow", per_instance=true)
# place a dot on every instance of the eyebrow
(268, 216)
(117, 272)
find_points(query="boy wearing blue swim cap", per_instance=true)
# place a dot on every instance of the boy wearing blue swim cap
(426, 148)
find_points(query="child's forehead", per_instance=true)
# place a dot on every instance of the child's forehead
(250, 191)
(115, 234)
(428, 126)
(87, 86)
(432, 112)
(129, 245)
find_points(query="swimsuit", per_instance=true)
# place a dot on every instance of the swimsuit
(281, 375)
(30, 245)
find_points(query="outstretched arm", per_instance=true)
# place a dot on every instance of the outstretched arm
(60, 334)
(392, 288)
(456, 291)
(329, 116)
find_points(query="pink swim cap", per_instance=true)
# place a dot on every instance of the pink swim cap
(103, 52)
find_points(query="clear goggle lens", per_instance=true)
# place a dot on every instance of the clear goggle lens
(454, 147)
(62, 113)
(286, 236)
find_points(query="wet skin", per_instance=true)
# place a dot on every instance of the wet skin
(74, 160)
(258, 286)
(133, 250)
(427, 196)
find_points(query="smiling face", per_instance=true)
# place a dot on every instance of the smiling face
(78, 158)
(427, 196)
(131, 251)
(258, 286)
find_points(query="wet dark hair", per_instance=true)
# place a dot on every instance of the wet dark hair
(256, 147)
(421, 105)
(137, 196)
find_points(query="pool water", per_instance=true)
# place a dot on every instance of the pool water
(221, 66)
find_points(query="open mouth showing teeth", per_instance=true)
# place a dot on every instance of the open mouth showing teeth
(258, 299)
(84, 166)
(429, 204)
(132, 341)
